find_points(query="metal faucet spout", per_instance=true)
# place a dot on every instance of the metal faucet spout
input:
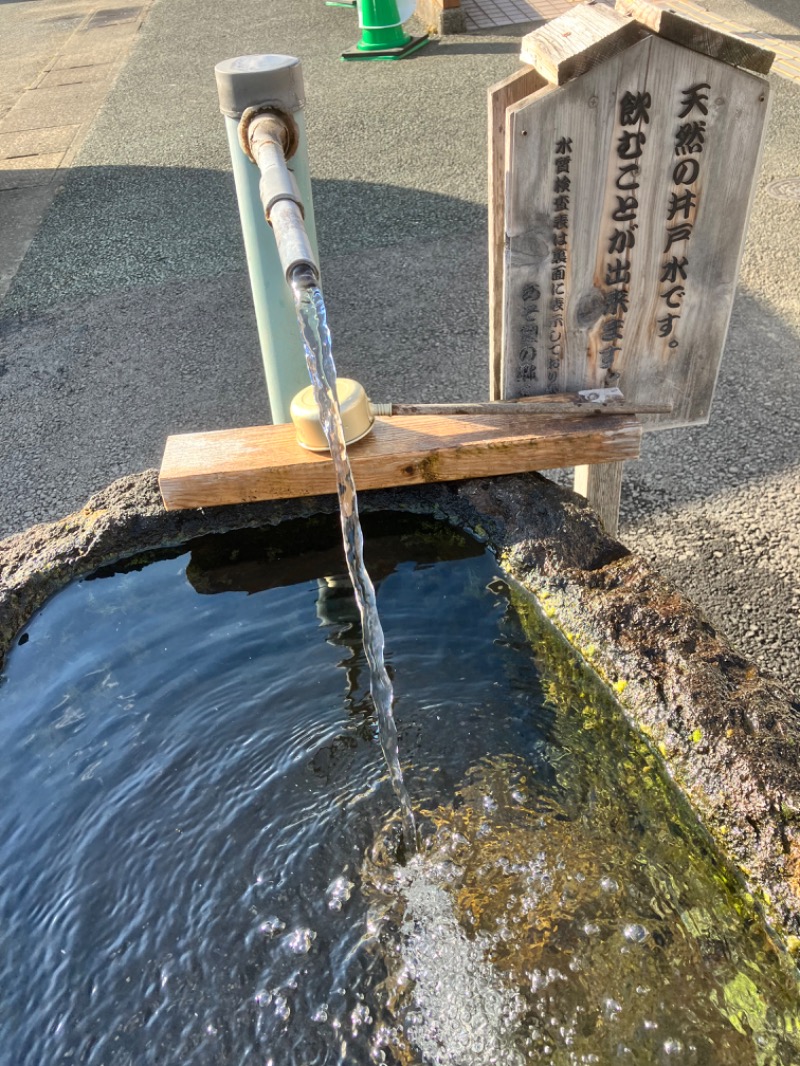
(270, 137)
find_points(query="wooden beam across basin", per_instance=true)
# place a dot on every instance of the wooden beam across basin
(266, 462)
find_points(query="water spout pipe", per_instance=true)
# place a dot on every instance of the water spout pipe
(262, 85)
(270, 139)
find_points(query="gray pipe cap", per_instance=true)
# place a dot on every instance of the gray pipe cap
(259, 81)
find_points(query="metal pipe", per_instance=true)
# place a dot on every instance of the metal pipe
(270, 138)
(359, 412)
(264, 82)
(294, 249)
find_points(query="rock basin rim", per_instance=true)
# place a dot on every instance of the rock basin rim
(728, 732)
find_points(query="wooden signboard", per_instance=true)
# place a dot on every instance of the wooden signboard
(625, 204)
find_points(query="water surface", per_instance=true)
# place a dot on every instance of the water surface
(198, 837)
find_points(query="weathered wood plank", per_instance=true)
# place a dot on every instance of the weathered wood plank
(265, 462)
(547, 406)
(501, 96)
(601, 487)
(628, 196)
(578, 41)
(671, 25)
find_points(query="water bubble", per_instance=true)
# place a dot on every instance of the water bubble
(611, 1008)
(538, 980)
(673, 1047)
(320, 1014)
(281, 1007)
(635, 933)
(591, 929)
(608, 884)
(271, 927)
(300, 941)
(338, 893)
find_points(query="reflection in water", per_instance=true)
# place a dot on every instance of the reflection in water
(191, 784)
(338, 613)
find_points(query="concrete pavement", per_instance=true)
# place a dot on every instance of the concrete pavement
(58, 61)
(130, 316)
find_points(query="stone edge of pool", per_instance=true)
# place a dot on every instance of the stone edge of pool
(728, 732)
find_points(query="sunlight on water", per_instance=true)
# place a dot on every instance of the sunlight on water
(520, 934)
(198, 834)
(313, 321)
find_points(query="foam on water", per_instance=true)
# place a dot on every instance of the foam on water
(462, 1013)
(522, 935)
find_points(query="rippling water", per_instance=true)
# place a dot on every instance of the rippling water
(198, 834)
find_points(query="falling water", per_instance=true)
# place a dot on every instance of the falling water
(312, 317)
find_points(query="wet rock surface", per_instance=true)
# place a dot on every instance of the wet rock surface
(729, 733)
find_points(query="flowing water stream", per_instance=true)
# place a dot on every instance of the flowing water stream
(312, 317)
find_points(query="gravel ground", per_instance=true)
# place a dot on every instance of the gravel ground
(130, 317)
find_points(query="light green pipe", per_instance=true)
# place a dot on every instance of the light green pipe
(278, 331)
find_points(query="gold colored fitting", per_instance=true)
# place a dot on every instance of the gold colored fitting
(358, 415)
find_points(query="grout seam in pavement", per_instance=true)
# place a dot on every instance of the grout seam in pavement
(37, 117)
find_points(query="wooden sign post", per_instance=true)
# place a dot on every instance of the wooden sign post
(624, 192)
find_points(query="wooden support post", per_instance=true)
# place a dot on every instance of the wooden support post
(602, 488)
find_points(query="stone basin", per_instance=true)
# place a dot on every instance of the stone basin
(728, 733)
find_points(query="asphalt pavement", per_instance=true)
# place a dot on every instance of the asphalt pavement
(130, 317)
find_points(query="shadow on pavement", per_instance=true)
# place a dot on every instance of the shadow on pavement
(463, 46)
(131, 318)
(124, 227)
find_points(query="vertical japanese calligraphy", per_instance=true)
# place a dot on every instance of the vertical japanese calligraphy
(533, 339)
(690, 139)
(527, 371)
(558, 260)
(625, 197)
(634, 117)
